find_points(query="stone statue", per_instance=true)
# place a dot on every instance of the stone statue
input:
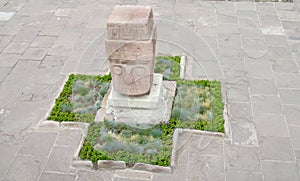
(130, 47)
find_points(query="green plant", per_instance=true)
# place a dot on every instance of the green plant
(80, 98)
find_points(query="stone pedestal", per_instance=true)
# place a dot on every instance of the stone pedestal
(142, 111)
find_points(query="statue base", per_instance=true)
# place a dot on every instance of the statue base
(146, 110)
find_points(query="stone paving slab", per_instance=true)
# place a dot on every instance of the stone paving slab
(253, 48)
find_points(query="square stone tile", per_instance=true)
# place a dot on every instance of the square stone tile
(26, 168)
(269, 20)
(3, 73)
(276, 41)
(265, 10)
(247, 32)
(8, 151)
(84, 175)
(224, 18)
(237, 92)
(240, 111)
(232, 63)
(5, 16)
(205, 167)
(262, 86)
(227, 28)
(245, 176)
(291, 25)
(69, 137)
(43, 41)
(35, 53)
(64, 12)
(244, 134)
(290, 96)
(248, 23)
(285, 6)
(60, 159)
(230, 52)
(235, 76)
(266, 104)
(280, 53)
(245, 6)
(285, 66)
(61, 50)
(205, 145)
(57, 176)
(5, 40)
(293, 36)
(38, 143)
(279, 171)
(270, 125)
(261, 70)
(288, 80)
(229, 40)
(16, 47)
(55, 26)
(241, 159)
(25, 36)
(9, 60)
(225, 8)
(292, 114)
(249, 14)
(289, 16)
(295, 136)
(254, 43)
(276, 148)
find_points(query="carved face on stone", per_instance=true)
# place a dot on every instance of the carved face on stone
(132, 77)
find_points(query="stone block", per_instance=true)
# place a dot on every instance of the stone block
(152, 168)
(150, 101)
(146, 110)
(109, 164)
(130, 23)
(130, 47)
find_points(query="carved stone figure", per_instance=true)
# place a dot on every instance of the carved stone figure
(130, 47)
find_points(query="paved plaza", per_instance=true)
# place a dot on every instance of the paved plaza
(252, 48)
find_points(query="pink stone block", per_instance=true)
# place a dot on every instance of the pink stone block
(130, 23)
(130, 48)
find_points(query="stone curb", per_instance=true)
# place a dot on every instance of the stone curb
(110, 164)
(151, 168)
(82, 164)
(49, 124)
